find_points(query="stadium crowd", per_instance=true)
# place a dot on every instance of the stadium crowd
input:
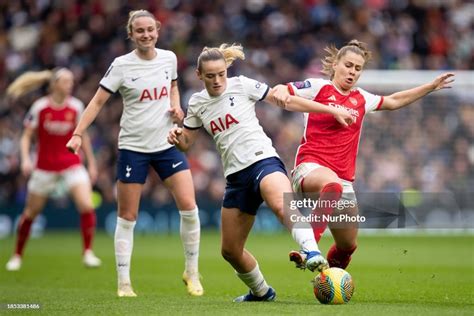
(428, 147)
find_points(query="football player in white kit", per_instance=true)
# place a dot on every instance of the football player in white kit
(253, 170)
(146, 78)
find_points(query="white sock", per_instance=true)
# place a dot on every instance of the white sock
(190, 232)
(255, 281)
(305, 238)
(123, 242)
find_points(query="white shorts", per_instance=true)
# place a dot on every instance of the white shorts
(44, 182)
(299, 173)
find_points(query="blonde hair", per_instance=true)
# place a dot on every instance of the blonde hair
(138, 14)
(226, 52)
(33, 80)
(335, 55)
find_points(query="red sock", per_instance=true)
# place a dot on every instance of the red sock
(339, 258)
(24, 227)
(330, 194)
(88, 222)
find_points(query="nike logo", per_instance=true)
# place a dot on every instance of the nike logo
(258, 176)
(202, 112)
(134, 79)
(176, 164)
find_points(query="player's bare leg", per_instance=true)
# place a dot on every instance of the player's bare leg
(181, 187)
(82, 195)
(273, 187)
(345, 237)
(236, 227)
(34, 205)
(327, 184)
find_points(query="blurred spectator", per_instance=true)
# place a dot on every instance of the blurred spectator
(426, 147)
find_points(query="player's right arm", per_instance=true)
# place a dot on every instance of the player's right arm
(25, 144)
(87, 117)
(280, 96)
(182, 138)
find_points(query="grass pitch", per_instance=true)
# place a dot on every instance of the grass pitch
(393, 275)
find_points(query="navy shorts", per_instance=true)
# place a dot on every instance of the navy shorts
(132, 166)
(242, 190)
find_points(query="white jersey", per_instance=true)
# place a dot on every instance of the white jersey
(231, 120)
(145, 86)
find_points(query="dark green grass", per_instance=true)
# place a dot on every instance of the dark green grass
(403, 275)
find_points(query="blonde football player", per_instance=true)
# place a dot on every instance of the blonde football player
(146, 78)
(253, 170)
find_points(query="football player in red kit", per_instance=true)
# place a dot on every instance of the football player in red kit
(326, 158)
(52, 120)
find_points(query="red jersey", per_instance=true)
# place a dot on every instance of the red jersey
(54, 126)
(325, 141)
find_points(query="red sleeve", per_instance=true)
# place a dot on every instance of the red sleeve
(380, 104)
(290, 89)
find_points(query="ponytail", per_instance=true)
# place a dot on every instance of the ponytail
(28, 82)
(226, 52)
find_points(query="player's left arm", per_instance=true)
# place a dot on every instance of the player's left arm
(403, 98)
(176, 113)
(89, 153)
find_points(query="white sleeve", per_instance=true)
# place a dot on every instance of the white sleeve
(372, 101)
(31, 118)
(174, 71)
(255, 90)
(192, 119)
(78, 106)
(307, 89)
(113, 78)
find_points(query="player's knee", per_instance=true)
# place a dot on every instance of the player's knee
(188, 204)
(334, 185)
(129, 216)
(29, 213)
(85, 205)
(230, 254)
(84, 209)
(332, 191)
(279, 213)
(324, 184)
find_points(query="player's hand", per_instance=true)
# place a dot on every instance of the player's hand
(26, 167)
(174, 134)
(177, 115)
(280, 95)
(74, 144)
(343, 117)
(443, 81)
